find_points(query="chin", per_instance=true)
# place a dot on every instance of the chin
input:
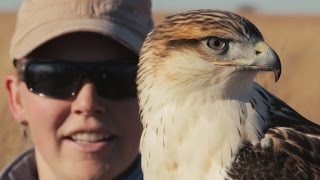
(91, 170)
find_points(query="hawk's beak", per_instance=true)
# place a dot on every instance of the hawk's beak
(266, 59)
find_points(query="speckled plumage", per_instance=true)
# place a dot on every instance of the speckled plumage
(204, 117)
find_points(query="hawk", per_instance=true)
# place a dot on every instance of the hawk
(204, 116)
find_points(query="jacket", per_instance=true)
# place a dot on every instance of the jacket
(24, 167)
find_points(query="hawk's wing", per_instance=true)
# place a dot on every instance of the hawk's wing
(292, 150)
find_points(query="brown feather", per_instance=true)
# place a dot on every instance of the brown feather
(293, 153)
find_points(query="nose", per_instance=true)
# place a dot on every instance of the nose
(87, 101)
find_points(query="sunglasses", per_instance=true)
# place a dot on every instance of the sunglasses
(63, 79)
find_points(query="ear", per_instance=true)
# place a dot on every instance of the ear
(11, 84)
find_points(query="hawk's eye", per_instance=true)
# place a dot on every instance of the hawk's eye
(217, 43)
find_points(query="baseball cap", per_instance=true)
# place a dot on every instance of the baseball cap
(38, 21)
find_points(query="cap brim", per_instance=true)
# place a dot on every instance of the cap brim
(29, 41)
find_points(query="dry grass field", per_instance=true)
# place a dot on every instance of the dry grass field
(295, 38)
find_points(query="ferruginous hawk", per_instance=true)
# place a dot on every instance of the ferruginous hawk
(205, 118)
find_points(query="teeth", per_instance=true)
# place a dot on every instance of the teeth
(89, 137)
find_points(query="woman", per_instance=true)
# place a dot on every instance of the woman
(74, 90)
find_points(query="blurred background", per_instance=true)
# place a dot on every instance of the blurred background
(291, 27)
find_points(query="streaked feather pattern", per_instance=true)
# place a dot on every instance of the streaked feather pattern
(203, 115)
(292, 150)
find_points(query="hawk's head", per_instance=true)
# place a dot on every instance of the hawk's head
(212, 49)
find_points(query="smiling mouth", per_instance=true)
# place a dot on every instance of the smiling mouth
(91, 137)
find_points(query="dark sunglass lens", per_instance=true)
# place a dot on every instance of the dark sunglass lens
(53, 80)
(116, 83)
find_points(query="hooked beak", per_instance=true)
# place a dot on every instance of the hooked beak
(265, 59)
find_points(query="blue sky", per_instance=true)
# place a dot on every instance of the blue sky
(267, 6)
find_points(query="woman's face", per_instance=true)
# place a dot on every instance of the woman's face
(66, 133)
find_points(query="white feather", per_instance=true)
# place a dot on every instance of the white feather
(192, 129)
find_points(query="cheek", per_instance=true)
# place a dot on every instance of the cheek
(128, 120)
(44, 115)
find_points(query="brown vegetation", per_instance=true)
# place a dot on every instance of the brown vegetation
(295, 38)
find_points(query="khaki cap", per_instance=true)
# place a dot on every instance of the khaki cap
(38, 21)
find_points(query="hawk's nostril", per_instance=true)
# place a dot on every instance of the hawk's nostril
(258, 52)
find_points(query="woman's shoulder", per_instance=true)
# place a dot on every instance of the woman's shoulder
(22, 167)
